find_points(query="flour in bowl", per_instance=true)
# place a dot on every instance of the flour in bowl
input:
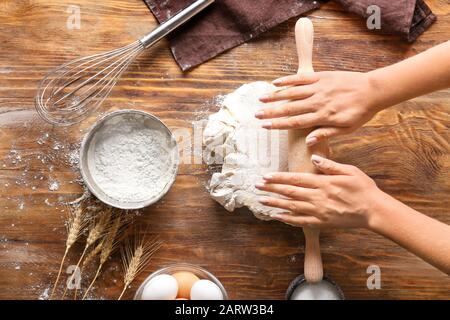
(129, 160)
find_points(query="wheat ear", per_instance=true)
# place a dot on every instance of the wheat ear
(135, 257)
(96, 231)
(75, 227)
(92, 254)
(108, 246)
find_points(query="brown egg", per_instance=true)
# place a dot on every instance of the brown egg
(185, 282)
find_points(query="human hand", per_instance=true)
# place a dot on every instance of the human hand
(334, 103)
(342, 197)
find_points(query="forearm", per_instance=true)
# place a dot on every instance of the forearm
(425, 237)
(424, 73)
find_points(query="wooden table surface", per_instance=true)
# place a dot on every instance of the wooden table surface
(405, 149)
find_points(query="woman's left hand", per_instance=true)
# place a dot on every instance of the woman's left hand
(342, 197)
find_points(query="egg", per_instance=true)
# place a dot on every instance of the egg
(206, 290)
(185, 281)
(161, 287)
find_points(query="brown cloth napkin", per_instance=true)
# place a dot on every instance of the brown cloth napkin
(406, 18)
(228, 23)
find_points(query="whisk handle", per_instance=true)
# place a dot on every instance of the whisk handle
(174, 22)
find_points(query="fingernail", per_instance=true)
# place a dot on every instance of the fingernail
(262, 199)
(259, 114)
(264, 97)
(267, 125)
(311, 140)
(259, 185)
(317, 160)
(277, 216)
(277, 81)
(268, 176)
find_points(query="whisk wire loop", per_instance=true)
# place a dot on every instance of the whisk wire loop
(73, 91)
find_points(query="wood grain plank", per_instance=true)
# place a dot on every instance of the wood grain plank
(405, 149)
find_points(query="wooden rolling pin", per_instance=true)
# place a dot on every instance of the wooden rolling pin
(300, 154)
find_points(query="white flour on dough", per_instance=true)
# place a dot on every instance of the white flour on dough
(234, 138)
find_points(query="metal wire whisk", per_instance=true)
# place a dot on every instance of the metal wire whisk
(71, 92)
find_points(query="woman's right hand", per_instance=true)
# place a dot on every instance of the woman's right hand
(341, 197)
(334, 103)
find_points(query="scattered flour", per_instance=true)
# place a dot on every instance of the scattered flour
(53, 185)
(131, 161)
(233, 138)
(45, 294)
(73, 157)
(39, 169)
(43, 138)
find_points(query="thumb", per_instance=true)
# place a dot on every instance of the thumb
(323, 133)
(330, 167)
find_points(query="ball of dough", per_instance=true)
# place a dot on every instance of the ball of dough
(234, 138)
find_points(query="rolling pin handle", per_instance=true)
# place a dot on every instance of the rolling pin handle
(300, 154)
(313, 260)
(304, 38)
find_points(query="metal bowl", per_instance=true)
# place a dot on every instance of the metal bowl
(150, 121)
(198, 271)
(301, 281)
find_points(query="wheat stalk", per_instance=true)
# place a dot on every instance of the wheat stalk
(89, 258)
(92, 254)
(109, 244)
(135, 257)
(98, 248)
(75, 227)
(96, 231)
